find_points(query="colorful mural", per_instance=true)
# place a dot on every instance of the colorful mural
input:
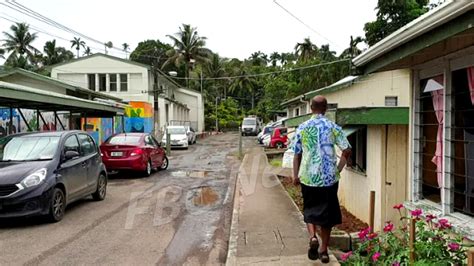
(19, 124)
(138, 118)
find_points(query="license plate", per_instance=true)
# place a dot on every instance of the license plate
(116, 153)
(175, 142)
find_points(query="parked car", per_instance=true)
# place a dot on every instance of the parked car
(267, 130)
(41, 173)
(250, 126)
(279, 138)
(178, 137)
(191, 135)
(133, 151)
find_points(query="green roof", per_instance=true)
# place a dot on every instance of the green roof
(4, 72)
(18, 96)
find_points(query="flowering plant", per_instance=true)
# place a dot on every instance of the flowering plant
(435, 243)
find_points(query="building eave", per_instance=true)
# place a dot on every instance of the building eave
(428, 21)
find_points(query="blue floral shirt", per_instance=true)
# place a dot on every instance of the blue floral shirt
(316, 139)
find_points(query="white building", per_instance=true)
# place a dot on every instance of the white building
(132, 81)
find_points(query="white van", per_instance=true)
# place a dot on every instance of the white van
(250, 126)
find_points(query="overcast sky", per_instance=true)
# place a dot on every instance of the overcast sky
(234, 28)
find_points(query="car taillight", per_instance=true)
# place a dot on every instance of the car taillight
(136, 152)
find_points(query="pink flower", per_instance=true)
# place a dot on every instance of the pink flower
(416, 213)
(430, 217)
(396, 263)
(363, 233)
(444, 224)
(388, 227)
(346, 256)
(376, 256)
(372, 235)
(398, 206)
(453, 246)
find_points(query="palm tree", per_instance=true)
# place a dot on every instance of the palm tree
(19, 43)
(126, 48)
(274, 57)
(306, 50)
(244, 84)
(50, 53)
(326, 54)
(87, 51)
(53, 54)
(215, 68)
(352, 51)
(188, 46)
(258, 59)
(78, 43)
(2, 52)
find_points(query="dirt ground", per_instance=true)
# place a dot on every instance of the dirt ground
(350, 223)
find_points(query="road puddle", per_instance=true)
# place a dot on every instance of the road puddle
(192, 174)
(205, 196)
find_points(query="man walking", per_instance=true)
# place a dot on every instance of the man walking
(315, 167)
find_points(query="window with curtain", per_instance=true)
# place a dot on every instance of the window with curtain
(431, 133)
(463, 140)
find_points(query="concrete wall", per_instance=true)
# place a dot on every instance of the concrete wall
(371, 91)
(193, 100)
(386, 174)
(76, 72)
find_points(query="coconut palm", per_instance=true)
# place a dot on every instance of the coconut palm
(306, 50)
(352, 51)
(87, 51)
(274, 58)
(188, 48)
(244, 85)
(326, 54)
(2, 52)
(258, 59)
(19, 44)
(78, 43)
(53, 54)
(126, 48)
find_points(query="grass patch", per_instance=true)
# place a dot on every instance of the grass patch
(275, 162)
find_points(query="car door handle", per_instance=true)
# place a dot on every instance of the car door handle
(83, 164)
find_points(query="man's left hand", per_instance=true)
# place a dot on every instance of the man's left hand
(296, 181)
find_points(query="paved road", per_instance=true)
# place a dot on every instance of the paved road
(178, 216)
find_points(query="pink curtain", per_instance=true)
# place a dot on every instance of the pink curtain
(470, 78)
(438, 104)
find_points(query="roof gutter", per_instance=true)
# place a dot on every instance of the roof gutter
(423, 24)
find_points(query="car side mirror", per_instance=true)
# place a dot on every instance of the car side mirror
(69, 155)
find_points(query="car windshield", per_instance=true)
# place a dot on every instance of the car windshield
(268, 130)
(28, 148)
(124, 140)
(249, 122)
(177, 130)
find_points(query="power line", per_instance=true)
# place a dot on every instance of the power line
(12, 4)
(306, 25)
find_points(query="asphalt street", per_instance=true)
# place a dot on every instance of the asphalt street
(178, 216)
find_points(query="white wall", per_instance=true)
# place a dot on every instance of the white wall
(76, 72)
(193, 100)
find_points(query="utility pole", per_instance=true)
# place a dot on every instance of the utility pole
(217, 119)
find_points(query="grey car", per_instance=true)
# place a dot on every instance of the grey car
(41, 173)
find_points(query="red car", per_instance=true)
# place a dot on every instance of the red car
(279, 138)
(133, 151)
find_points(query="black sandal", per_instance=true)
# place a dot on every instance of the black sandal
(324, 256)
(313, 248)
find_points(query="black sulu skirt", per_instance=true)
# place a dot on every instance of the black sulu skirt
(321, 205)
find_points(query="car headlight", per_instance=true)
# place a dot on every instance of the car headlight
(35, 178)
(185, 139)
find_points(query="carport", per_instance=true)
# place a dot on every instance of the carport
(19, 97)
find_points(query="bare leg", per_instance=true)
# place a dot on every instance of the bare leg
(311, 230)
(325, 235)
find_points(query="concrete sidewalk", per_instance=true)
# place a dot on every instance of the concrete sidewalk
(267, 228)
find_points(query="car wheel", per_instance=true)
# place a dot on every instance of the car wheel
(57, 206)
(279, 145)
(148, 169)
(164, 165)
(101, 191)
